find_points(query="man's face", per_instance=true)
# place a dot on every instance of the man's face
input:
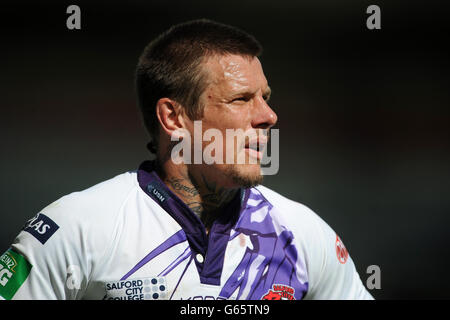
(236, 98)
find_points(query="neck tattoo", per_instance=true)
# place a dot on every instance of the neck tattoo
(204, 198)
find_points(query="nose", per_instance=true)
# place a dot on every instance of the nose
(263, 117)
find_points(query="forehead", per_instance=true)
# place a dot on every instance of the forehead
(233, 73)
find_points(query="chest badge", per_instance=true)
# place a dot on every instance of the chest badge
(279, 292)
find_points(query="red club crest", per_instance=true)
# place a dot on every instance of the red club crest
(279, 292)
(341, 251)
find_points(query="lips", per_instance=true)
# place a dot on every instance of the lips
(257, 144)
(255, 147)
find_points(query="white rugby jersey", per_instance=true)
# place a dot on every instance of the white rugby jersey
(131, 238)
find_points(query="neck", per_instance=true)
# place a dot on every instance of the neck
(205, 198)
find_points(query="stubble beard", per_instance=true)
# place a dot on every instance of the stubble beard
(242, 178)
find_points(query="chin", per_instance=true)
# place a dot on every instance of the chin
(245, 175)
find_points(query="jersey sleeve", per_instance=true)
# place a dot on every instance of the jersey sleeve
(47, 260)
(332, 275)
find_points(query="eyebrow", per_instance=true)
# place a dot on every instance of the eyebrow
(266, 92)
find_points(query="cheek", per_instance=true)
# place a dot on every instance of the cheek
(226, 120)
(227, 116)
(236, 116)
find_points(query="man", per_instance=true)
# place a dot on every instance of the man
(182, 229)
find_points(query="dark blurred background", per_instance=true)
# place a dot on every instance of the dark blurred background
(363, 116)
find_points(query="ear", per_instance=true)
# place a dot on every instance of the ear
(170, 115)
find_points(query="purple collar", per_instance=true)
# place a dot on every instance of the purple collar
(211, 247)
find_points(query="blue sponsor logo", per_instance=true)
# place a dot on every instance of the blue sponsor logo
(157, 192)
(41, 227)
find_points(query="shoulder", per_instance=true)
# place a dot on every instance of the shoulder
(279, 200)
(296, 214)
(97, 203)
(312, 234)
(84, 219)
(331, 271)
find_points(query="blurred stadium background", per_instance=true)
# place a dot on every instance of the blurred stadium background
(363, 116)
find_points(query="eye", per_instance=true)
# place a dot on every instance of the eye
(243, 98)
(266, 94)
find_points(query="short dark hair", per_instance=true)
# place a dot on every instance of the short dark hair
(170, 66)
